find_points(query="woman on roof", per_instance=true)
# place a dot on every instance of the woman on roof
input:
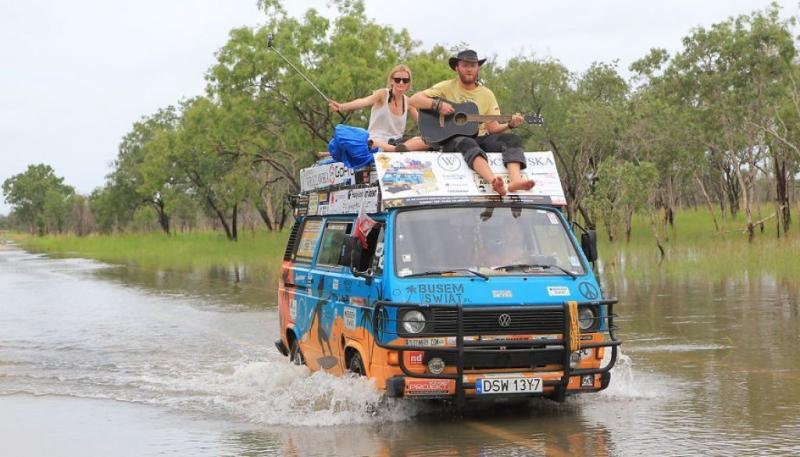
(390, 108)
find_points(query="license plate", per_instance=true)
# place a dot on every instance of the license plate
(508, 385)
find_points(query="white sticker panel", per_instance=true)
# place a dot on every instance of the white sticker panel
(349, 318)
(558, 291)
(424, 178)
(322, 176)
(501, 294)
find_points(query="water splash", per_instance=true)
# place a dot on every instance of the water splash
(627, 384)
(281, 393)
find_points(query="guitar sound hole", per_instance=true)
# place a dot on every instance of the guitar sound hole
(460, 119)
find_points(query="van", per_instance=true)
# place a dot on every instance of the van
(411, 273)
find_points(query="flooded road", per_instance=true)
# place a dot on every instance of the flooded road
(104, 360)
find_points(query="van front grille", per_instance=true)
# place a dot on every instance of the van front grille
(488, 322)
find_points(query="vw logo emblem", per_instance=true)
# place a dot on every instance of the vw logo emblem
(504, 320)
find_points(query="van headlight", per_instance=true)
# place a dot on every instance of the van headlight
(413, 321)
(586, 318)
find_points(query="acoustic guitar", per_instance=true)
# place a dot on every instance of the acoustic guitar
(437, 128)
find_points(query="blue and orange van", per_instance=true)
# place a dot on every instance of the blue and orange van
(454, 292)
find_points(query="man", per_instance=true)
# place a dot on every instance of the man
(492, 136)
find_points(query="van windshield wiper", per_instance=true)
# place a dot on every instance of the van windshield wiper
(452, 270)
(527, 266)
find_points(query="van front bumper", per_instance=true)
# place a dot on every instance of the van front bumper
(446, 389)
(548, 358)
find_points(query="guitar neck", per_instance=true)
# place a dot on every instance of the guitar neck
(488, 117)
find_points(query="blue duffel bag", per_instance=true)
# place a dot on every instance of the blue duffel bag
(349, 145)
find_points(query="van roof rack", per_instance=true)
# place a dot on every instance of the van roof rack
(417, 179)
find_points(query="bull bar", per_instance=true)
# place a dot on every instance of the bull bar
(463, 347)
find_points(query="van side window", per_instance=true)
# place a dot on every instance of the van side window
(374, 255)
(308, 240)
(332, 241)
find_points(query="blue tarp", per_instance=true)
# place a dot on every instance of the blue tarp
(349, 146)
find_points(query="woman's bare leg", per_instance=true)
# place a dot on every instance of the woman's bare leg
(385, 147)
(416, 144)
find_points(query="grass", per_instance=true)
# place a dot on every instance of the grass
(695, 249)
(692, 250)
(184, 251)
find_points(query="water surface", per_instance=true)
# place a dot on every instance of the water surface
(107, 360)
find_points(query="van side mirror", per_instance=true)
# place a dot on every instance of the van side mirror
(589, 244)
(351, 256)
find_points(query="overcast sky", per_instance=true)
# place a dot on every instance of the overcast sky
(76, 74)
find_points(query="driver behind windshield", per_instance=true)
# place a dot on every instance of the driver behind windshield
(502, 247)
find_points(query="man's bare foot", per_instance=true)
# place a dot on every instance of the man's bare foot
(499, 185)
(522, 184)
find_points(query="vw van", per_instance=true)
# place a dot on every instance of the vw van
(454, 293)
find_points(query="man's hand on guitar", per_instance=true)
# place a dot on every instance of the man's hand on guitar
(446, 108)
(516, 120)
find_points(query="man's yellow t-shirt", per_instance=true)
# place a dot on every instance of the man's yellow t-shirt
(481, 96)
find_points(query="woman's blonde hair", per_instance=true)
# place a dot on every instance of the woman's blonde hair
(399, 67)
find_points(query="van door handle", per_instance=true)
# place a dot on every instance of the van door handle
(309, 281)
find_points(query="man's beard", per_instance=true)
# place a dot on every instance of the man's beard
(468, 79)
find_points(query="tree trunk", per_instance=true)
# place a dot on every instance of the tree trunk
(234, 223)
(283, 218)
(733, 190)
(721, 196)
(745, 196)
(628, 224)
(782, 196)
(670, 214)
(221, 217)
(586, 218)
(163, 217)
(708, 202)
(264, 216)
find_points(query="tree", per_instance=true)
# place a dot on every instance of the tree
(140, 176)
(622, 188)
(731, 77)
(584, 118)
(38, 198)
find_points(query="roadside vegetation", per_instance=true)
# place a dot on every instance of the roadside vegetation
(156, 251)
(690, 250)
(686, 161)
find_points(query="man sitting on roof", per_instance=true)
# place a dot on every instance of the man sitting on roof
(492, 136)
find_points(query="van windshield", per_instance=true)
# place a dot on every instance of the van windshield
(492, 241)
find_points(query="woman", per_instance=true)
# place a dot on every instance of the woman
(387, 120)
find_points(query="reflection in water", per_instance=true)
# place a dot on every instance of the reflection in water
(727, 351)
(224, 285)
(707, 368)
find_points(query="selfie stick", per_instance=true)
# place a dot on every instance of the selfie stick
(269, 45)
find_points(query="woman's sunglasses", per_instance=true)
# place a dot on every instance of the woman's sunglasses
(402, 80)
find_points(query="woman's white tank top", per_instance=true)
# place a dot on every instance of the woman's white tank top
(383, 124)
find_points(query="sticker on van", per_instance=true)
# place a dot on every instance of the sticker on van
(558, 291)
(349, 318)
